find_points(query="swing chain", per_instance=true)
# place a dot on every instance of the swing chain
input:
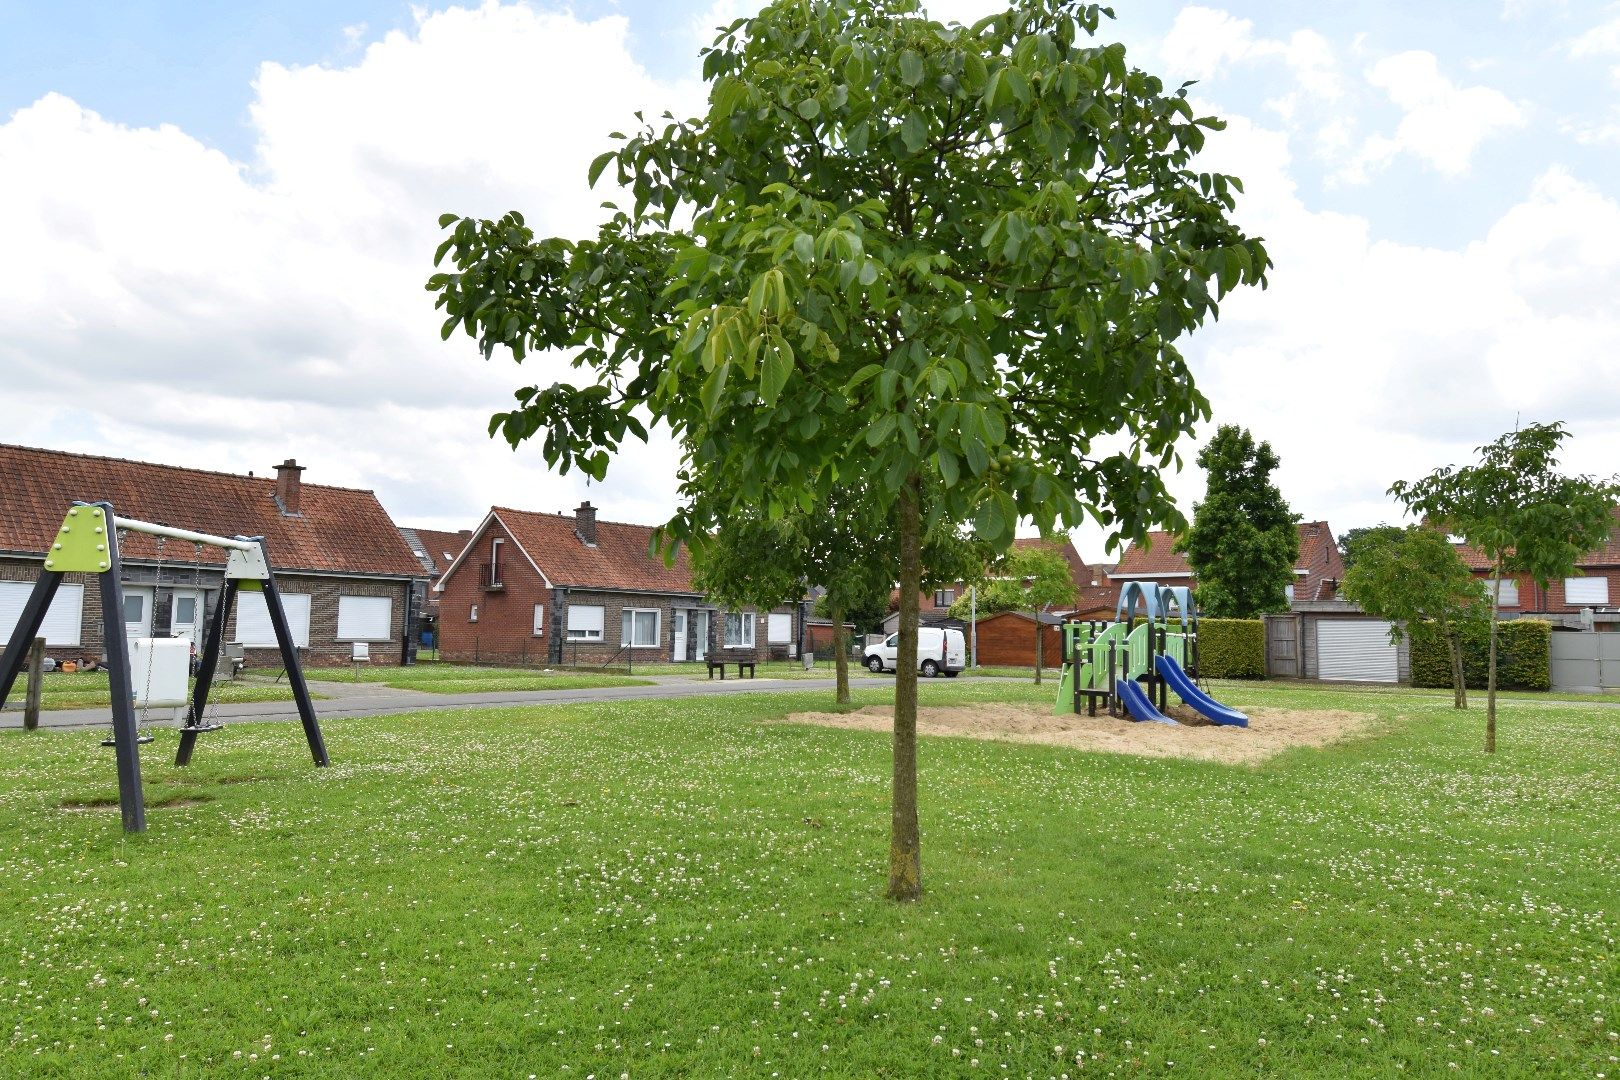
(206, 722)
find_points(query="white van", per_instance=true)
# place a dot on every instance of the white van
(939, 652)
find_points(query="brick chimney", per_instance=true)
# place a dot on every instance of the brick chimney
(585, 523)
(289, 488)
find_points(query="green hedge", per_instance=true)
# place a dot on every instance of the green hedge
(1523, 655)
(1231, 649)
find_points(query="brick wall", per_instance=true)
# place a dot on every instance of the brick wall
(1009, 639)
(1533, 598)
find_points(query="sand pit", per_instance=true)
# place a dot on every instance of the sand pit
(1270, 731)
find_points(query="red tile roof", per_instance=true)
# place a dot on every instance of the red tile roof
(442, 547)
(1318, 553)
(620, 559)
(1155, 556)
(339, 530)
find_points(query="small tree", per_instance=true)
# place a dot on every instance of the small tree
(751, 561)
(1413, 574)
(1243, 544)
(1525, 516)
(1033, 579)
(1352, 542)
(967, 250)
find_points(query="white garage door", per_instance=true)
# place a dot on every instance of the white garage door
(1355, 650)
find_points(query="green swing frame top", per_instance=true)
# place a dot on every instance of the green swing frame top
(87, 543)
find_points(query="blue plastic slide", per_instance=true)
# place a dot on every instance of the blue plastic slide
(1200, 702)
(1137, 704)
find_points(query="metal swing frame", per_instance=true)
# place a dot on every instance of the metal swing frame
(88, 543)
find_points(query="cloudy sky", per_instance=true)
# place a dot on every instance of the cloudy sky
(216, 220)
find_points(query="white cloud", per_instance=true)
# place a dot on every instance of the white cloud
(1442, 125)
(163, 301)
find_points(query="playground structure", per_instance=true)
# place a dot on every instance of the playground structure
(1130, 666)
(88, 543)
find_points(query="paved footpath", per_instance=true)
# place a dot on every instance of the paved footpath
(346, 699)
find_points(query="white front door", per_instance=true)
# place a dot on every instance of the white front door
(185, 615)
(677, 623)
(700, 628)
(137, 612)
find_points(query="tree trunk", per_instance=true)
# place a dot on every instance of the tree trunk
(840, 651)
(1459, 681)
(905, 841)
(1490, 672)
(1040, 644)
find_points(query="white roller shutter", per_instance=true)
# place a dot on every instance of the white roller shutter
(253, 619)
(779, 629)
(1355, 650)
(365, 618)
(63, 618)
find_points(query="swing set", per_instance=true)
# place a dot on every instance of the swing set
(88, 543)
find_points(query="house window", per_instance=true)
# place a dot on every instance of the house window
(539, 619)
(1288, 591)
(63, 619)
(1586, 591)
(472, 613)
(584, 623)
(253, 619)
(495, 560)
(739, 630)
(639, 628)
(944, 598)
(1510, 590)
(365, 618)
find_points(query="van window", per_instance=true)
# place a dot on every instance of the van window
(889, 642)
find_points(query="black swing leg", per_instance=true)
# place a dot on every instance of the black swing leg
(295, 674)
(131, 800)
(205, 673)
(33, 617)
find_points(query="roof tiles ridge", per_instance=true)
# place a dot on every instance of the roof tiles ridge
(177, 468)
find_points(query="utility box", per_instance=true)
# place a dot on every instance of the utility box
(158, 671)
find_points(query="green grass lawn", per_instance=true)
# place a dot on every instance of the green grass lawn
(88, 690)
(821, 668)
(686, 889)
(436, 678)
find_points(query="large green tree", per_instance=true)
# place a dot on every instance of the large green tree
(1412, 575)
(1243, 544)
(950, 259)
(1524, 515)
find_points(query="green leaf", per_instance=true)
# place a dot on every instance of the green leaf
(809, 108)
(914, 131)
(774, 372)
(881, 429)
(911, 67)
(599, 164)
(950, 469)
(804, 246)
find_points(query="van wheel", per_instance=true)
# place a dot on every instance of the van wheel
(874, 664)
(952, 674)
(929, 669)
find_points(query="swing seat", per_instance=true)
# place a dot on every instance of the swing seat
(201, 729)
(140, 740)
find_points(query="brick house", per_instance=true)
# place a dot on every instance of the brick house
(1596, 586)
(1317, 571)
(535, 588)
(345, 574)
(435, 549)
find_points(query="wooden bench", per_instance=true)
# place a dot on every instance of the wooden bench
(720, 666)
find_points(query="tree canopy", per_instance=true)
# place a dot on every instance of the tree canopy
(1243, 544)
(1354, 540)
(946, 260)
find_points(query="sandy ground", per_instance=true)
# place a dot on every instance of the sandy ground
(1270, 731)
